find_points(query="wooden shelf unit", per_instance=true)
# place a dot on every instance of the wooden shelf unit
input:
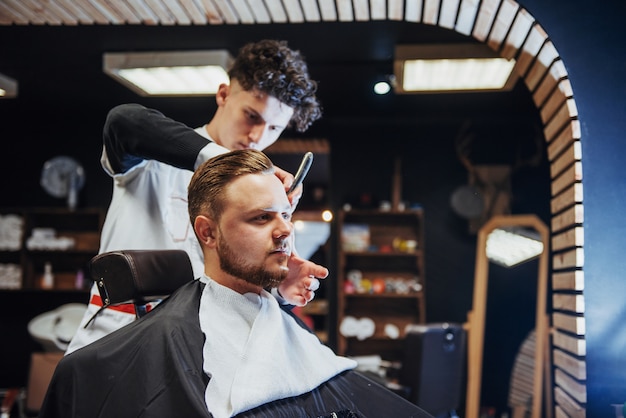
(83, 226)
(381, 279)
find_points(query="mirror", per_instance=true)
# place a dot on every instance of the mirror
(476, 317)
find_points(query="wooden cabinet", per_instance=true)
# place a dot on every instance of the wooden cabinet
(381, 286)
(63, 240)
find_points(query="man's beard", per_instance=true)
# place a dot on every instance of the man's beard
(237, 266)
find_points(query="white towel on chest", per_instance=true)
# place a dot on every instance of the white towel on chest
(255, 353)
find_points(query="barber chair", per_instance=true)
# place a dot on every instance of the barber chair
(89, 379)
(139, 276)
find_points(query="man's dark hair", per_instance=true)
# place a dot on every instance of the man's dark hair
(206, 190)
(273, 68)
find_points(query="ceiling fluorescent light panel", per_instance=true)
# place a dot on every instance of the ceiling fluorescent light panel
(8, 87)
(184, 73)
(451, 68)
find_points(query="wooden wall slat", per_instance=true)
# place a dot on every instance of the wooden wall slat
(554, 101)
(569, 280)
(310, 10)
(395, 9)
(344, 10)
(194, 12)
(431, 12)
(227, 11)
(94, 13)
(5, 16)
(572, 408)
(571, 386)
(573, 366)
(571, 196)
(563, 91)
(572, 109)
(361, 10)
(568, 259)
(568, 302)
(569, 344)
(145, 14)
(45, 11)
(328, 10)
(378, 9)
(467, 16)
(560, 140)
(125, 12)
(63, 14)
(259, 11)
(558, 71)
(244, 13)
(413, 12)
(111, 12)
(503, 22)
(294, 11)
(564, 114)
(178, 12)
(74, 7)
(571, 216)
(543, 92)
(570, 323)
(547, 55)
(570, 238)
(517, 34)
(448, 12)
(161, 11)
(572, 174)
(536, 38)
(276, 10)
(485, 18)
(22, 9)
(558, 143)
(572, 154)
(9, 15)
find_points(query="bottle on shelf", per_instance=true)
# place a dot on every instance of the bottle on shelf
(47, 281)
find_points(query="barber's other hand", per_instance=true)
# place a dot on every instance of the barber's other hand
(302, 281)
(287, 179)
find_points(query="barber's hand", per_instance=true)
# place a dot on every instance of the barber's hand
(287, 179)
(302, 281)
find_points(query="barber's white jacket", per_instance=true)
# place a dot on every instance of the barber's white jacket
(148, 210)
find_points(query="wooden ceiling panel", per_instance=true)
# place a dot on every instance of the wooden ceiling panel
(187, 12)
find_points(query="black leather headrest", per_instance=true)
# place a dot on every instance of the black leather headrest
(139, 275)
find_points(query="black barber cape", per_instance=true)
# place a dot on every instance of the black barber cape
(152, 368)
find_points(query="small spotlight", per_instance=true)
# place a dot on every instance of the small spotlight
(382, 87)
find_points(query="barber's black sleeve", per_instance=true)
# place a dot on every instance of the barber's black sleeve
(133, 133)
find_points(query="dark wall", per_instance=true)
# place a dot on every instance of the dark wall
(362, 163)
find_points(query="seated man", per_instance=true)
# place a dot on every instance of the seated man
(221, 346)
